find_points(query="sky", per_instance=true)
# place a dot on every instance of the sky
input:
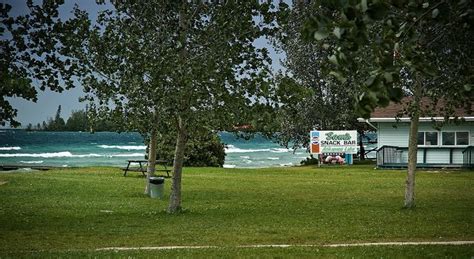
(48, 101)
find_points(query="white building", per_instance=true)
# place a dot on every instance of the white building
(451, 145)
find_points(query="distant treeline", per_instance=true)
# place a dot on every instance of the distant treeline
(78, 121)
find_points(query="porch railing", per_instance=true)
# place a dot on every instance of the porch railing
(468, 157)
(391, 156)
(388, 155)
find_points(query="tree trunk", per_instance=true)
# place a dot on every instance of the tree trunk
(413, 150)
(181, 140)
(174, 205)
(150, 171)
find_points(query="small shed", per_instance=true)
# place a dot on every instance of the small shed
(439, 144)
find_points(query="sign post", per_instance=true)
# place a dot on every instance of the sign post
(333, 141)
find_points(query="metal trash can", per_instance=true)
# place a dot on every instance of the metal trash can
(348, 158)
(156, 187)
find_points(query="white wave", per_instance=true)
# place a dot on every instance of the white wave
(49, 155)
(229, 166)
(287, 164)
(280, 150)
(124, 147)
(128, 155)
(45, 155)
(32, 162)
(233, 149)
(87, 155)
(245, 157)
(9, 148)
(273, 158)
(69, 154)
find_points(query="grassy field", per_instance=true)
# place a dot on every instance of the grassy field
(72, 212)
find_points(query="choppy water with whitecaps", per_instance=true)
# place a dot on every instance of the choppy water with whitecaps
(73, 149)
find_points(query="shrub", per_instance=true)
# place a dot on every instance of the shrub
(202, 149)
(311, 160)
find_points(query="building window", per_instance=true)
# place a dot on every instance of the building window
(428, 138)
(421, 138)
(448, 138)
(460, 138)
(431, 138)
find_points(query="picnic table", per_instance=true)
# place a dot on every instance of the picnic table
(142, 167)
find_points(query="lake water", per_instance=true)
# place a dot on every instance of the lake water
(72, 149)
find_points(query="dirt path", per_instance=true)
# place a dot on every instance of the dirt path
(288, 246)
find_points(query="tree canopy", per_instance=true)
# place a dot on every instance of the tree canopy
(30, 56)
(411, 48)
(176, 65)
(428, 40)
(310, 97)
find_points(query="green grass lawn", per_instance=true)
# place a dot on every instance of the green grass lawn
(75, 211)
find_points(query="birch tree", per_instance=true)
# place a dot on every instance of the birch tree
(221, 78)
(179, 65)
(122, 61)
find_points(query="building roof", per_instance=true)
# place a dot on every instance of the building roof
(389, 113)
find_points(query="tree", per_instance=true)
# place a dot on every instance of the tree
(77, 121)
(202, 149)
(311, 97)
(30, 51)
(235, 76)
(58, 122)
(178, 65)
(417, 48)
(121, 63)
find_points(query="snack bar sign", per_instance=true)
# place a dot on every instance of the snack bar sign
(334, 141)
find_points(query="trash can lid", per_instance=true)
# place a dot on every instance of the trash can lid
(157, 180)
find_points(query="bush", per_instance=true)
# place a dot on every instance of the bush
(202, 149)
(311, 160)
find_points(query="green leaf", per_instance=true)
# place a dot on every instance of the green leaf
(468, 87)
(377, 11)
(338, 32)
(321, 35)
(364, 6)
(370, 80)
(333, 59)
(401, 30)
(395, 93)
(383, 101)
(426, 5)
(338, 76)
(388, 77)
(350, 13)
(342, 57)
(435, 13)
